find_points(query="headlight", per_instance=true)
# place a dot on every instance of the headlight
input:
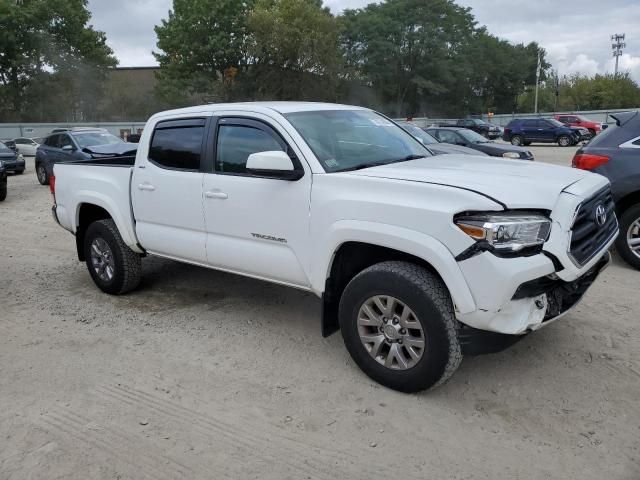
(506, 231)
(20, 157)
(511, 155)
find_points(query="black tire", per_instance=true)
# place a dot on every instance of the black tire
(3, 190)
(428, 297)
(565, 141)
(19, 172)
(628, 218)
(517, 140)
(127, 265)
(41, 173)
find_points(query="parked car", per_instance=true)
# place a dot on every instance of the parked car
(12, 160)
(485, 129)
(26, 146)
(615, 153)
(3, 182)
(418, 259)
(438, 148)
(573, 120)
(467, 138)
(76, 145)
(543, 130)
(10, 144)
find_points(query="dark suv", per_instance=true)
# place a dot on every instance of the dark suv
(615, 153)
(544, 130)
(480, 126)
(76, 145)
(12, 160)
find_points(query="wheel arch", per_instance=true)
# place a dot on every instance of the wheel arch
(91, 211)
(628, 201)
(369, 246)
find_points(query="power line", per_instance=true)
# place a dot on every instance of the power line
(617, 46)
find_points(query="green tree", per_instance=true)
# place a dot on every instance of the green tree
(295, 50)
(198, 43)
(52, 62)
(580, 92)
(408, 50)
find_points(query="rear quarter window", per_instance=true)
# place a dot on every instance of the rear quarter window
(177, 144)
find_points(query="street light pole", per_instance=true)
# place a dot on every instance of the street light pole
(535, 108)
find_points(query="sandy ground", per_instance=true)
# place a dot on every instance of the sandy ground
(204, 375)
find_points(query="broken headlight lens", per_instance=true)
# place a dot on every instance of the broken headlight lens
(506, 231)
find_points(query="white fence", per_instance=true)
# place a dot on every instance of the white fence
(10, 131)
(601, 116)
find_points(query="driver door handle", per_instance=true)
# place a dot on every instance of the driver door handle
(147, 187)
(216, 194)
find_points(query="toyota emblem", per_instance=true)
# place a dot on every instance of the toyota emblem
(601, 215)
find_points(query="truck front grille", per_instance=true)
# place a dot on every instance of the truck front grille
(591, 230)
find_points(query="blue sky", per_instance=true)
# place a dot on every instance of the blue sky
(575, 35)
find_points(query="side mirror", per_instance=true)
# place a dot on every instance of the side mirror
(68, 148)
(274, 164)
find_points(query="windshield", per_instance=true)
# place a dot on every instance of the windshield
(348, 139)
(5, 149)
(473, 137)
(95, 138)
(420, 134)
(555, 122)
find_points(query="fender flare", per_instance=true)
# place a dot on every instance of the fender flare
(125, 228)
(408, 241)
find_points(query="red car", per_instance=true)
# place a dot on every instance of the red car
(574, 120)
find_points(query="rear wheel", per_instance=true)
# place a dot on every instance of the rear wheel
(398, 324)
(41, 173)
(564, 141)
(114, 267)
(517, 140)
(628, 242)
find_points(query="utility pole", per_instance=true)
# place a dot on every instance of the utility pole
(617, 46)
(538, 68)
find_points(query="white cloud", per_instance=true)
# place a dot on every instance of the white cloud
(627, 63)
(580, 64)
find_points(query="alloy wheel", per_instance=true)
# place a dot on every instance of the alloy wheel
(102, 260)
(633, 237)
(391, 332)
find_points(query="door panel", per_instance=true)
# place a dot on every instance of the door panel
(167, 199)
(258, 226)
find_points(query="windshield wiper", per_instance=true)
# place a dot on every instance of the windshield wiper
(362, 166)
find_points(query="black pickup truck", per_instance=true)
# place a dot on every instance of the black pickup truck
(485, 129)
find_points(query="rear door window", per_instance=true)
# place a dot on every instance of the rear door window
(530, 124)
(178, 144)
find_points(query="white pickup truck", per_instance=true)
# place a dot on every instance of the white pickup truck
(418, 259)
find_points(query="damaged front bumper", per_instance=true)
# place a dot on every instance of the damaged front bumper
(535, 304)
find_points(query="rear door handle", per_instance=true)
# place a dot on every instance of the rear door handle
(216, 194)
(147, 187)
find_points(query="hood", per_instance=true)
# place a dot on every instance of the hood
(123, 148)
(514, 183)
(8, 155)
(449, 148)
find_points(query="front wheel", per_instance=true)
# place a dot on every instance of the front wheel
(398, 324)
(3, 190)
(628, 242)
(114, 267)
(41, 173)
(564, 141)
